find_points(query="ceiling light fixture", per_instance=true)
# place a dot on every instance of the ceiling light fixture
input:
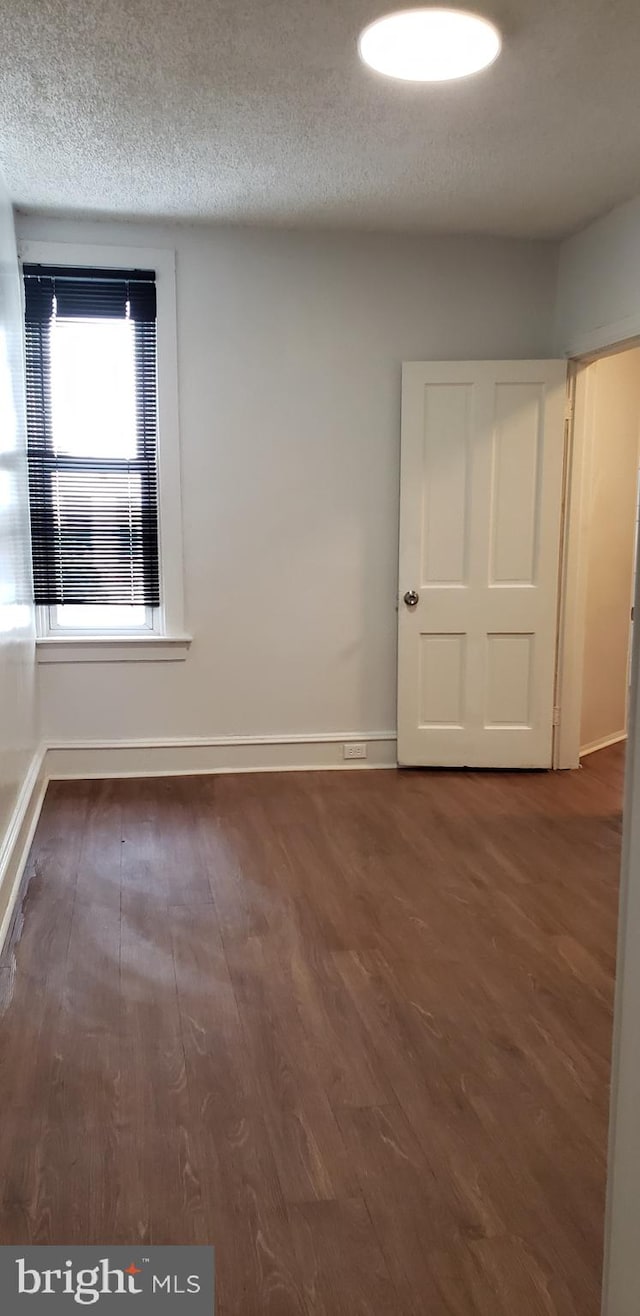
(429, 45)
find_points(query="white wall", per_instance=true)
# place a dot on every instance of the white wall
(610, 545)
(17, 686)
(289, 369)
(598, 301)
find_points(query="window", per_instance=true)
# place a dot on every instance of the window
(92, 445)
(99, 631)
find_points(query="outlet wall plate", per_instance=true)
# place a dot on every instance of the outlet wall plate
(355, 749)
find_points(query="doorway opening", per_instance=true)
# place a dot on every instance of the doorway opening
(600, 554)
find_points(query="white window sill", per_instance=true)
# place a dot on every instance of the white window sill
(112, 648)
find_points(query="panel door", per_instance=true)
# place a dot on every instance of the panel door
(480, 508)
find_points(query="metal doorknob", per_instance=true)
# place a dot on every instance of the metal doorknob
(411, 598)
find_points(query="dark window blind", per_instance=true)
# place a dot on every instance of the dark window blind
(94, 505)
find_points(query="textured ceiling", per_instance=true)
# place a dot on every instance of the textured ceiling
(260, 111)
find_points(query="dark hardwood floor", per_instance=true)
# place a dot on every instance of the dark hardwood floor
(351, 1028)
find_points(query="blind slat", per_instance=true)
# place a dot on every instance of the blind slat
(94, 520)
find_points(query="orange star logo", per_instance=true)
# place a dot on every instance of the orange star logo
(133, 1269)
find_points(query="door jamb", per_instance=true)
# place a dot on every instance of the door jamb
(571, 612)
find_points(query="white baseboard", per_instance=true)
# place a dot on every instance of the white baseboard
(603, 743)
(153, 758)
(19, 835)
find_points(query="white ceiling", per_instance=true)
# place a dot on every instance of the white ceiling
(260, 111)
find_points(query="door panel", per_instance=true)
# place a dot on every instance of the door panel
(481, 492)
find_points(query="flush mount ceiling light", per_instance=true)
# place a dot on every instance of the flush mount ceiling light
(429, 45)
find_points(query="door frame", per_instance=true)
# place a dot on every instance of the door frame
(573, 550)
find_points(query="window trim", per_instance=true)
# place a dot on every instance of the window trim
(169, 617)
(112, 648)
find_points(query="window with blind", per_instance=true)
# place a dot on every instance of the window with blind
(92, 445)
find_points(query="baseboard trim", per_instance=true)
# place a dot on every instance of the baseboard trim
(18, 837)
(216, 754)
(602, 744)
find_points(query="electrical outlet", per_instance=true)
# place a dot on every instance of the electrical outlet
(355, 749)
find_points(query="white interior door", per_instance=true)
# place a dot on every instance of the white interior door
(480, 507)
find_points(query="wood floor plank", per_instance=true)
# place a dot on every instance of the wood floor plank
(344, 1271)
(352, 1029)
(36, 956)
(403, 1198)
(158, 1164)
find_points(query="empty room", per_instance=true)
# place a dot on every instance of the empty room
(319, 805)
